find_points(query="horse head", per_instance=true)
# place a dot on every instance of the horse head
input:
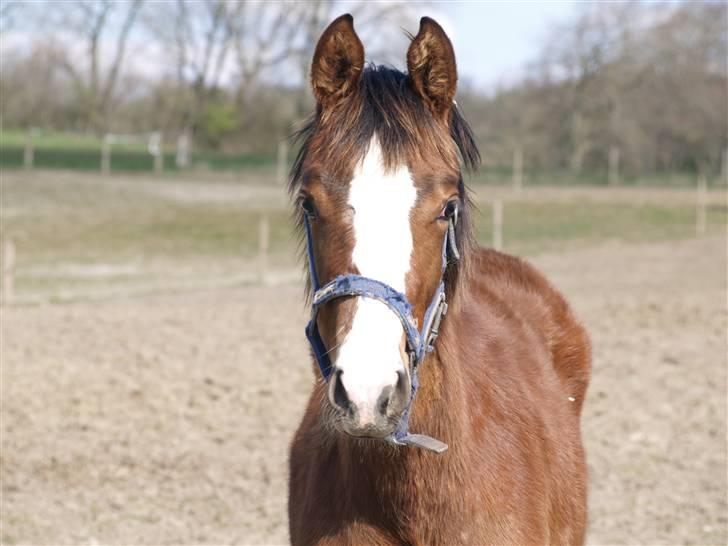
(380, 194)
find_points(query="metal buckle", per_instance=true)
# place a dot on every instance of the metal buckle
(412, 359)
(434, 327)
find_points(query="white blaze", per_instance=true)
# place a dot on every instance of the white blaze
(370, 355)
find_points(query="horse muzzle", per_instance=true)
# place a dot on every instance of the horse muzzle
(374, 412)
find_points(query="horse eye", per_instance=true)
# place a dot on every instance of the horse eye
(449, 210)
(308, 207)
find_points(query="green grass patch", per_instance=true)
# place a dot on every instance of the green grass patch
(503, 176)
(49, 140)
(534, 227)
(82, 152)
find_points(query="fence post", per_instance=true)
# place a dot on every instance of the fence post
(29, 151)
(724, 165)
(282, 161)
(498, 224)
(701, 204)
(182, 157)
(8, 271)
(155, 147)
(518, 169)
(263, 245)
(106, 154)
(613, 166)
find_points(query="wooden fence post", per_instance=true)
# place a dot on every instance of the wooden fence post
(182, 157)
(8, 271)
(106, 155)
(156, 148)
(498, 224)
(613, 166)
(263, 245)
(282, 161)
(701, 206)
(29, 151)
(518, 169)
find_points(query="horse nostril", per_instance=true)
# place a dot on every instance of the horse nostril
(399, 396)
(383, 401)
(340, 398)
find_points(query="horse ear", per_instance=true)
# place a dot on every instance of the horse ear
(431, 66)
(337, 62)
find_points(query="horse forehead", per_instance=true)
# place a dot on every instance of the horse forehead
(376, 188)
(382, 200)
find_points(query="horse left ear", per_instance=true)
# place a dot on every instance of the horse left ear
(431, 66)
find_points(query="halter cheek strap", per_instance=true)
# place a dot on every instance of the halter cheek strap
(420, 342)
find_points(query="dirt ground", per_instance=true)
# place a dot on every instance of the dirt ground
(166, 419)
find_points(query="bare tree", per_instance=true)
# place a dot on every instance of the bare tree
(199, 35)
(95, 81)
(638, 81)
(264, 37)
(225, 45)
(646, 81)
(34, 90)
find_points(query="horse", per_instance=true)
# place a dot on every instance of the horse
(414, 326)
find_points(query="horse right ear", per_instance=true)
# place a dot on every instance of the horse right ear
(431, 67)
(337, 62)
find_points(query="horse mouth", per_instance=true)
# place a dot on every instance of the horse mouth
(370, 434)
(380, 429)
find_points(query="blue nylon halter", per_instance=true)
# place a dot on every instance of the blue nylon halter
(420, 341)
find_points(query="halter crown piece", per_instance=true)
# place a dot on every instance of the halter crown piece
(420, 342)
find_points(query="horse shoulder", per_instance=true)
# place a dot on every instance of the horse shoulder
(532, 368)
(534, 300)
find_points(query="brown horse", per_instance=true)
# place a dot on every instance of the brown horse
(382, 200)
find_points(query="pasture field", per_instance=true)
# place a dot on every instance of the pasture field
(151, 384)
(86, 236)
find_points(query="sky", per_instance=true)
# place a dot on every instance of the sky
(493, 41)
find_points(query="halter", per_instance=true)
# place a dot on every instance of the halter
(420, 342)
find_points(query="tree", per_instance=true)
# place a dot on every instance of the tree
(225, 46)
(92, 20)
(648, 80)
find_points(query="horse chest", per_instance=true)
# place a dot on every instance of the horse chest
(357, 501)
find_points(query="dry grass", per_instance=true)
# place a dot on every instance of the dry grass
(82, 236)
(166, 419)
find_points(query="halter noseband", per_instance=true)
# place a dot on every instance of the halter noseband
(420, 342)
